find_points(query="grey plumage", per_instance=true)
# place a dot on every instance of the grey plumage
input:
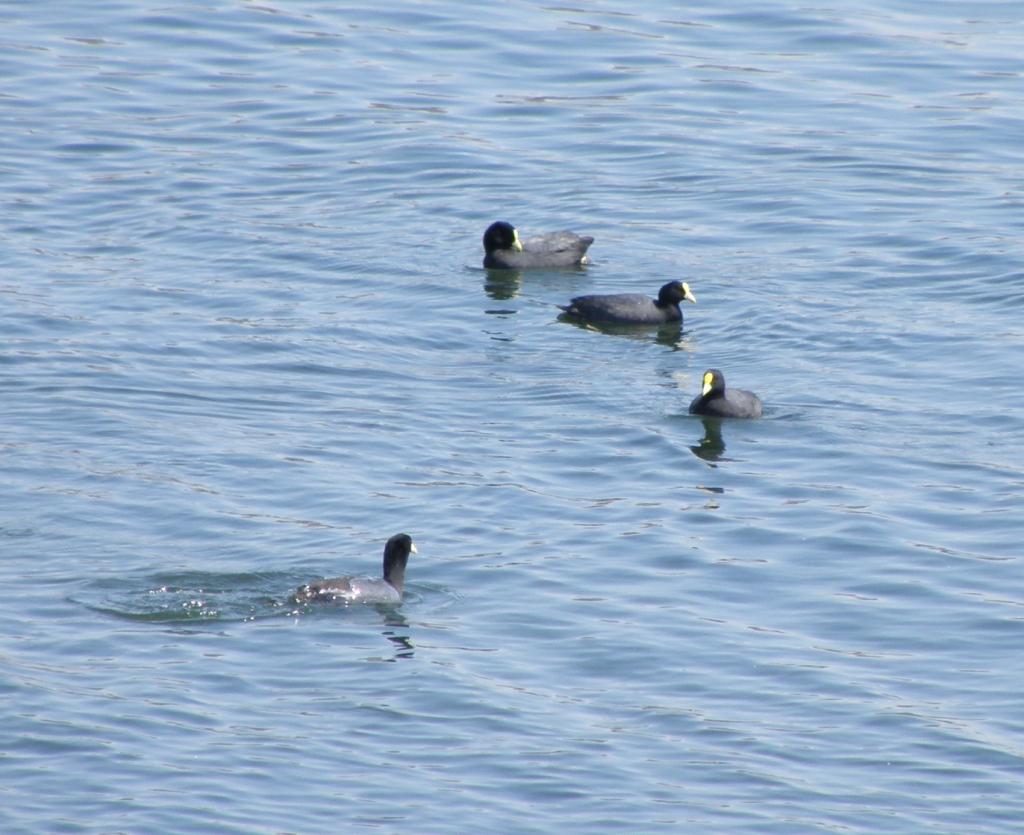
(505, 250)
(632, 308)
(715, 400)
(349, 588)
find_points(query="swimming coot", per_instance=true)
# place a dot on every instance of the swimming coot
(632, 308)
(504, 249)
(349, 588)
(715, 400)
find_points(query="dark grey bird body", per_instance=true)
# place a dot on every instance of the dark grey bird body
(632, 308)
(504, 250)
(715, 400)
(350, 588)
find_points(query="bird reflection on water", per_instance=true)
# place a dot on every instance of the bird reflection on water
(669, 334)
(711, 447)
(403, 645)
(502, 285)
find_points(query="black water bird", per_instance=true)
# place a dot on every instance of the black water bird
(351, 588)
(715, 400)
(632, 308)
(504, 250)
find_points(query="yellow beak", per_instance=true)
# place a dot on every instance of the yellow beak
(708, 380)
(687, 294)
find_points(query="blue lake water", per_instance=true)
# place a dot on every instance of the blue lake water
(245, 337)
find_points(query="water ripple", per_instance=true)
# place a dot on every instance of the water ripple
(246, 325)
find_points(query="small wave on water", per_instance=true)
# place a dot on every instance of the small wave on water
(197, 596)
(189, 597)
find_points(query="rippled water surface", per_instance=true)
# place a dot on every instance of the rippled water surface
(246, 337)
